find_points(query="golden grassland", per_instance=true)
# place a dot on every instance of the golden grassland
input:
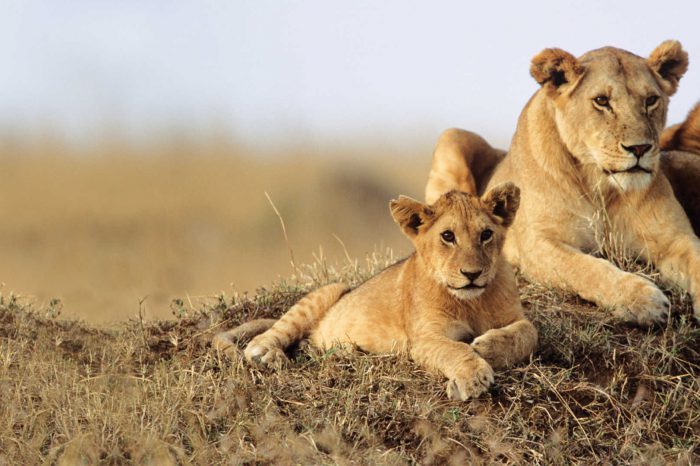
(155, 393)
(102, 227)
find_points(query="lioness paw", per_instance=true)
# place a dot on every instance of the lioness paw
(263, 355)
(647, 305)
(473, 383)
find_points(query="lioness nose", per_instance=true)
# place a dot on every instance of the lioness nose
(637, 150)
(471, 275)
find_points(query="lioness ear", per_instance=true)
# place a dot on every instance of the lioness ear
(410, 214)
(503, 202)
(670, 62)
(555, 67)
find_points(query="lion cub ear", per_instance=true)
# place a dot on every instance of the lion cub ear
(553, 68)
(669, 62)
(411, 215)
(503, 202)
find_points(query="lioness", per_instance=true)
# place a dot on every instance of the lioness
(586, 156)
(455, 287)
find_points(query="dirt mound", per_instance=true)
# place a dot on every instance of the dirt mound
(155, 393)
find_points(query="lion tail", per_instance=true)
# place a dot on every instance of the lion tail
(462, 161)
(685, 136)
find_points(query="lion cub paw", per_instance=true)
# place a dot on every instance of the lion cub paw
(647, 305)
(473, 383)
(264, 355)
(486, 345)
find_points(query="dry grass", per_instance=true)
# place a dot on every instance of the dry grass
(596, 391)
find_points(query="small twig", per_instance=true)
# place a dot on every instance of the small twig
(345, 250)
(284, 231)
(209, 329)
(143, 328)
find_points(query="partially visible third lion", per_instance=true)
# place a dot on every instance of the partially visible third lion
(456, 287)
(681, 164)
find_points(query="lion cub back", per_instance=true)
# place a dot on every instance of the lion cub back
(371, 317)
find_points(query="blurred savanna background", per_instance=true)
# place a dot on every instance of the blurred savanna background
(138, 140)
(108, 226)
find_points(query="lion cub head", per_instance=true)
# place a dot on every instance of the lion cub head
(458, 239)
(610, 107)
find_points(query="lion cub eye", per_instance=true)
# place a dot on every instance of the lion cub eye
(486, 235)
(651, 100)
(602, 101)
(448, 236)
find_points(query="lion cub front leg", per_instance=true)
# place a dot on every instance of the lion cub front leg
(503, 347)
(468, 373)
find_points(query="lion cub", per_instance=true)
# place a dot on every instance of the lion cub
(456, 287)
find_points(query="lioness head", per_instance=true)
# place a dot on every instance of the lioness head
(458, 239)
(610, 106)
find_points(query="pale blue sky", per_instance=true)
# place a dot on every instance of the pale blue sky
(306, 71)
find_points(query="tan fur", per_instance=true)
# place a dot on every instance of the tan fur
(681, 164)
(228, 341)
(461, 158)
(568, 155)
(427, 303)
(685, 136)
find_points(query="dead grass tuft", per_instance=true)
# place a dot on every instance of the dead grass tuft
(597, 391)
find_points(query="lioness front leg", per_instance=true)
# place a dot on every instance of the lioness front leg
(666, 238)
(468, 373)
(503, 347)
(632, 298)
(681, 264)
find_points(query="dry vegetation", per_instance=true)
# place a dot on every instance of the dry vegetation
(596, 391)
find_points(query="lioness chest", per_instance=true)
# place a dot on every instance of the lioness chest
(580, 225)
(589, 229)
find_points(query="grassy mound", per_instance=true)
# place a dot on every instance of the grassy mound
(596, 391)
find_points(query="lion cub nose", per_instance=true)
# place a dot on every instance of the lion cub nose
(471, 275)
(637, 150)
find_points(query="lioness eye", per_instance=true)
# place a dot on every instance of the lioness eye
(486, 235)
(651, 100)
(448, 236)
(602, 100)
